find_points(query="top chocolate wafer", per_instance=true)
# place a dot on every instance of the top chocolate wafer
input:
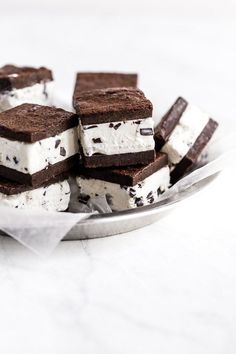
(31, 122)
(12, 77)
(113, 104)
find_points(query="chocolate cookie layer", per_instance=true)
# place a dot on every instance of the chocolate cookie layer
(111, 105)
(128, 176)
(42, 176)
(10, 188)
(31, 123)
(129, 159)
(191, 157)
(92, 81)
(13, 77)
(164, 129)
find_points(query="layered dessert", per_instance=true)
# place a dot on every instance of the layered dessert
(126, 188)
(115, 127)
(182, 134)
(37, 143)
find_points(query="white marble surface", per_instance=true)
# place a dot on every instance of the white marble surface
(168, 288)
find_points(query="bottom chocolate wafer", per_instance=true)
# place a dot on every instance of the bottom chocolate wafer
(129, 159)
(42, 176)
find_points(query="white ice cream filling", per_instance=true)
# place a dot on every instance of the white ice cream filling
(117, 137)
(54, 197)
(126, 197)
(41, 93)
(186, 132)
(30, 158)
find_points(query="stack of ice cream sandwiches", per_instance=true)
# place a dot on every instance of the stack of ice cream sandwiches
(109, 142)
(123, 157)
(38, 143)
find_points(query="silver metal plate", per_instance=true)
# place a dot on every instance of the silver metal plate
(102, 225)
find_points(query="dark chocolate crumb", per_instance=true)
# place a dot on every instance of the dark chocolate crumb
(111, 125)
(82, 201)
(138, 202)
(96, 195)
(60, 199)
(40, 143)
(149, 195)
(137, 122)
(146, 131)
(159, 191)
(17, 206)
(90, 127)
(132, 194)
(140, 185)
(62, 151)
(15, 160)
(84, 198)
(26, 169)
(67, 193)
(57, 143)
(7, 158)
(117, 126)
(45, 91)
(97, 140)
(44, 193)
(123, 187)
(151, 200)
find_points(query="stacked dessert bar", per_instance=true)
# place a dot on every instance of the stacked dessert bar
(122, 156)
(117, 144)
(38, 147)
